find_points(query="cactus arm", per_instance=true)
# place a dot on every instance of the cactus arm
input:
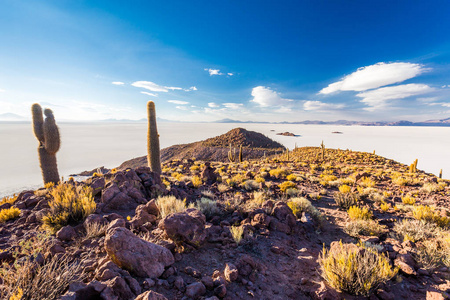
(38, 122)
(51, 133)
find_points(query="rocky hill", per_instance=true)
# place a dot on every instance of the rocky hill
(319, 224)
(255, 145)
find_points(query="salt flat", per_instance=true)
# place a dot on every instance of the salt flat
(88, 145)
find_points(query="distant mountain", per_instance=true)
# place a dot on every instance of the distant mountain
(441, 122)
(11, 117)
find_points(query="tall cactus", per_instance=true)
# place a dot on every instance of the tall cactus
(47, 134)
(153, 154)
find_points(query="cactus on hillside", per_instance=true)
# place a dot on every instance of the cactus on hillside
(153, 154)
(47, 134)
(240, 153)
(322, 146)
(232, 155)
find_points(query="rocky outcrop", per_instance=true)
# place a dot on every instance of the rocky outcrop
(138, 256)
(187, 227)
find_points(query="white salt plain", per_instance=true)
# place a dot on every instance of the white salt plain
(86, 146)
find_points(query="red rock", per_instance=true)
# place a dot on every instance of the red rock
(117, 223)
(221, 291)
(231, 272)
(150, 295)
(261, 220)
(120, 288)
(187, 226)
(195, 290)
(67, 233)
(433, 295)
(179, 283)
(138, 256)
(208, 175)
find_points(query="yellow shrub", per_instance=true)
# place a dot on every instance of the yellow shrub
(408, 200)
(237, 232)
(68, 206)
(177, 176)
(49, 185)
(8, 199)
(196, 181)
(356, 272)
(345, 200)
(301, 205)
(357, 228)
(385, 206)
(236, 180)
(194, 168)
(291, 177)
(169, 204)
(367, 182)
(9, 214)
(345, 189)
(428, 214)
(278, 173)
(287, 185)
(356, 213)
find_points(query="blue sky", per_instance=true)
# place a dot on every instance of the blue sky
(245, 60)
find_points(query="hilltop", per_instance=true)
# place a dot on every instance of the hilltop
(255, 145)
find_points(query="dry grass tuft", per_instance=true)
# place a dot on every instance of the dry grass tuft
(68, 206)
(169, 204)
(353, 270)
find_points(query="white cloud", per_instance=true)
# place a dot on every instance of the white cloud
(181, 107)
(230, 74)
(117, 83)
(320, 106)
(233, 105)
(212, 104)
(193, 88)
(379, 98)
(151, 86)
(375, 76)
(150, 94)
(178, 102)
(2, 91)
(213, 72)
(266, 97)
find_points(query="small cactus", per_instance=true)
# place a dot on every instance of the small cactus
(322, 146)
(440, 173)
(232, 154)
(153, 154)
(47, 134)
(240, 153)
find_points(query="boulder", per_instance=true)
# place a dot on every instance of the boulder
(150, 295)
(136, 255)
(284, 213)
(187, 226)
(67, 233)
(207, 175)
(231, 272)
(195, 290)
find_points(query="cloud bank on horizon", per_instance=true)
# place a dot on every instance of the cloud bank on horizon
(271, 65)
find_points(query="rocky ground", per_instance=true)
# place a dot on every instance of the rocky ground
(235, 233)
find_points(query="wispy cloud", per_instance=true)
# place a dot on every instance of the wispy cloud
(178, 102)
(230, 74)
(2, 91)
(380, 98)
(151, 86)
(233, 105)
(181, 107)
(321, 106)
(375, 76)
(117, 83)
(150, 94)
(213, 105)
(213, 72)
(193, 88)
(265, 97)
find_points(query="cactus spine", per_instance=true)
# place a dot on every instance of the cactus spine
(47, 134)
(153, 155)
